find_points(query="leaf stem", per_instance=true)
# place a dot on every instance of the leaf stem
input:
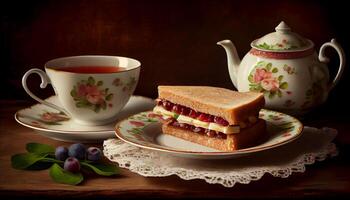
(52, 160)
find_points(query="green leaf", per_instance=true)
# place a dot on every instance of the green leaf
(81, 104)
(271, 95)
(97, 109)
(39, 166)
(264, 46)
(109, 97)
(104, 105)
(73, 93)
(268, 66)
(279, 93)
(176, 115)
(250, 78)
(152, 120)
(256, 88)
(38, 148)
(274, 70)
(260, 62)
(49, 123)
(99, 83)
(25, 160)
(59, 175)
(309, 92)
(91, 80)
(284, 85)
(51, 160)
(44, 163)
(280, 78)
(102, 169)
(136, 130)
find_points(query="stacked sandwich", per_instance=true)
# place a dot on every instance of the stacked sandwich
(219, 118)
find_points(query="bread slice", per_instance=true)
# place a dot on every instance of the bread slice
(231, 105)
(246, 138)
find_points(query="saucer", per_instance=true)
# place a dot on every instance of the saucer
(50, 123)
(144, 130)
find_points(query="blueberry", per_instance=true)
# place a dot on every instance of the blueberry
(77, 150)
(94, 154)
(72, 164)
(61, 153)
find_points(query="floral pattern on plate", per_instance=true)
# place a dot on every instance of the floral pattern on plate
(137, 130)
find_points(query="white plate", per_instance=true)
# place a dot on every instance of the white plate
(144, 130)
(48, 122)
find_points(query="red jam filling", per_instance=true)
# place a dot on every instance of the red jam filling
(199, 130)
(183, 110)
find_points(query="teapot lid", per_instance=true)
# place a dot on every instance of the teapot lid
(283, 40)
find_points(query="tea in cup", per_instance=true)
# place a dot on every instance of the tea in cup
(91, 89)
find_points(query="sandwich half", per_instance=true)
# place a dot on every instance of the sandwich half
(215, 117)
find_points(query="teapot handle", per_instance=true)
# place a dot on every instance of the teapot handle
(325, 59)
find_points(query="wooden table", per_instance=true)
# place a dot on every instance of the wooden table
(330, 178)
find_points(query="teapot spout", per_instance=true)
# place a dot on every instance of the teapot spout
(233, 60)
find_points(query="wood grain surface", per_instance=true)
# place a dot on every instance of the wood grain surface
(176, 44)
(329, 178)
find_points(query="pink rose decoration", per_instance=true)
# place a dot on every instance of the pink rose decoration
(153, 115)
(262, 80)
(137, 123)
(261, 74)
(82, 90)
(270, 84)
(94, 95)
(53, 117)
(287, 134)
(90, 94)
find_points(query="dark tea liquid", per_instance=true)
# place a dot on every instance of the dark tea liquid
(92, 69)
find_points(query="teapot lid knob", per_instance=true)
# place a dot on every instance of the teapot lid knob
(282, 27)
(282, 40)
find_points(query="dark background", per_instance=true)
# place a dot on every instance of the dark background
(174, 40)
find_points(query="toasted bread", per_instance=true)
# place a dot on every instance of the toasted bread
(233, 106)
(246, 138)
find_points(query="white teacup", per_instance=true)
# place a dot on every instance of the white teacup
(91, 89)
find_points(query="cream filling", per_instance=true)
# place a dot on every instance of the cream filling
(197, 123)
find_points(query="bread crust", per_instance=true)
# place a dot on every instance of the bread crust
(246, 138)
(231, 105)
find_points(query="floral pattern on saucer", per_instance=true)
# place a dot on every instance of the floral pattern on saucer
(282, 128)
(53, 124)
(47, 118)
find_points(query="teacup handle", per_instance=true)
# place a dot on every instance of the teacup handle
(325, 59)
(44, 81)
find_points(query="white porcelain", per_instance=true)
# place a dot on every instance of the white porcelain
(58, 126)
(89, 99)
(144, 130)
(286, 68)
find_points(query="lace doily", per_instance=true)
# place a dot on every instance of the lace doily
(314, 145)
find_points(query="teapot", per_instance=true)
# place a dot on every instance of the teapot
(286, 68)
